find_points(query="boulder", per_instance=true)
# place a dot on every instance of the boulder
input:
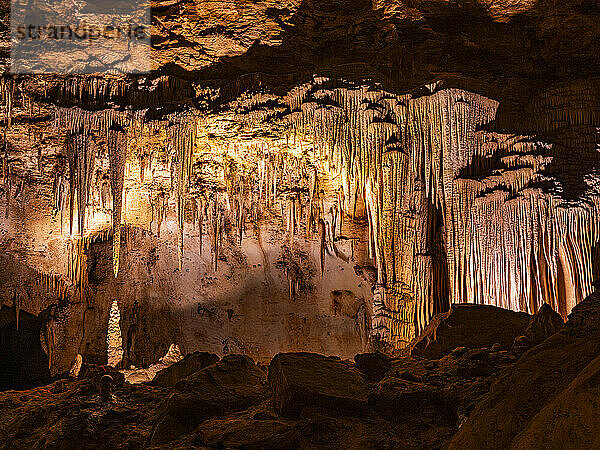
(520, 345)
(473, 363)
(373, 365)
(585, 316)
(571, 418)
(300, 380)
(95, 373)
(542, 325)
(232, 384)
(192, 363)
(471, 326)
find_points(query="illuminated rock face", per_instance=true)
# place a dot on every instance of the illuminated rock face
(232, 211)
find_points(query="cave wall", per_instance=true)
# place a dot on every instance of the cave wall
(197, 274)
(262, 220)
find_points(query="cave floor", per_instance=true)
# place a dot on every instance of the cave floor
(418, 404)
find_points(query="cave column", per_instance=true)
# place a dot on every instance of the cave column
(400, 215)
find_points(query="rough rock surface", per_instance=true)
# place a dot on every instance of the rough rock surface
(69, 414)
(470, 326)
(396, 398)
(232, 384)
(549, 393)
(301, 380)
(542, 325)
(169, 376)
(569, 420)
(244, 419)
(373, 365)
(469, 398)
(584, 319)
(95, 373)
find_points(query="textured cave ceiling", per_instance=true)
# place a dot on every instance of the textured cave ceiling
(424, 152)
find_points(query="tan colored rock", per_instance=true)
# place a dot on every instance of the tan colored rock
(373, 365)
(232, 384)
(550, 392)
(571, 419)
(247, 433)
(396, 398)
(542, 325)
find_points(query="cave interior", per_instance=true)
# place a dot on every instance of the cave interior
(309, 224)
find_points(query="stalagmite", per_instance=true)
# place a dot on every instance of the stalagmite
(114, 339)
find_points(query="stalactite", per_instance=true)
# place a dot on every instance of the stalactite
(323, 244)
(182, 135)
(7, 91)
(216, 230)
(81, 155)
(54, 284)
(200, 218)
(117, 149)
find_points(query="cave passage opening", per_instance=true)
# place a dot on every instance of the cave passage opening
(23, 363)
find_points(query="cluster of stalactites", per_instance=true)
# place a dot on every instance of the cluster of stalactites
(7, 93)
(403, 161)
(73, 185)
(77, 120)
(293, 188)
(266, 180)
(182, 136)
(116, 128)
(508, 241)
(81, 155)
(94, 89)
(54, 283)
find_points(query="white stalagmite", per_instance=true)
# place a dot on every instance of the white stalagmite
(114, 340)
